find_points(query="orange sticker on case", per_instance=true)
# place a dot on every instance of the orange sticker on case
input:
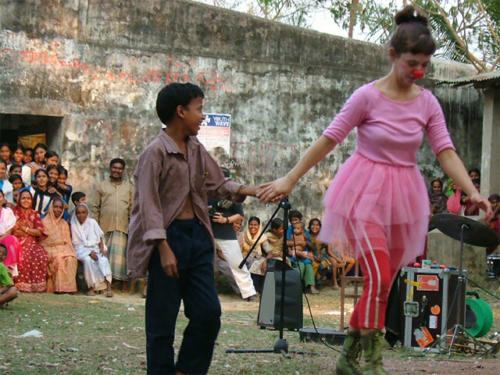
(435, 310)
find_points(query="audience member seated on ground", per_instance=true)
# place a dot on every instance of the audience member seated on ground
(38, 158)
(255, 262)
(28, 156)
(14, 250)
(18, 157)
(495, 221)
(88, 240)
(437, 197)
(61, 255)
(7, 289)
(301, 256)
(42, 195)
(51, 158)
(294, 217)
(29, 230)
(17, 184)
(455, 202)
(326, 263)
(273, 246)
(5, 185)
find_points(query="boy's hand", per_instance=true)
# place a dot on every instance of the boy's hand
(93, 255)
(168, 260)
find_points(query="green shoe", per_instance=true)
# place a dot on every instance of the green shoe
(373, 345)
(347, 363)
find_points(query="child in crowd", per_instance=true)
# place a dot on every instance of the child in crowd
(301, 255)
(15, 169)
(38, 158)
(51, 158)
(437, 198)
(78, 197)
(5, 185)
(17, 184)
(495, 206)
(273, 246)
(294, 217)
(62, 186)
(28, 156)
(5, 153)
(7, 289)
(18, 158)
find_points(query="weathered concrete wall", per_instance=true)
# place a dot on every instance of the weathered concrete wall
(99, 66)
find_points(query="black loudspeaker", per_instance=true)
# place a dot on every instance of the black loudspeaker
(270, 300)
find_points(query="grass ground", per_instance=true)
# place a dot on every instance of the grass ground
(98, 335)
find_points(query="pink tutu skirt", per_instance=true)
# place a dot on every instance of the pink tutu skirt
(369, 201)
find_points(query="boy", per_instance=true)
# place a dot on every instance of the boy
(8, 291)
(170, 234)
(78, 197)
(297, 247)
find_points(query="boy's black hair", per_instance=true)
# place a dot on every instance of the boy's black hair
(294, 213)
(117, 160)
(15, 177)
(276, 223)
(50, 154)
(173, 95)
(14, 166)
(76, 196)
(62, 170)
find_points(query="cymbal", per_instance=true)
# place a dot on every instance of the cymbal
(475, 232)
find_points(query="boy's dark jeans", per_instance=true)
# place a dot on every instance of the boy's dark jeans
(194, 250)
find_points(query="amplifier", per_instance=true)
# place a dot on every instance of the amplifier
(430, 300)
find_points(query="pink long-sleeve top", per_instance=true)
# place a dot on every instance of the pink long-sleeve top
(390, 131)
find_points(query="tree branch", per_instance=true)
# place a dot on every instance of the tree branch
(488, 21)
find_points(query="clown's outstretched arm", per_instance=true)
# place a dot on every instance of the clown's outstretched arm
(280, 188)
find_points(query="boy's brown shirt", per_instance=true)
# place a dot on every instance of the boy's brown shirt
(163, 179)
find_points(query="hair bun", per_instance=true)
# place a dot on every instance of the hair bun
(410, 14)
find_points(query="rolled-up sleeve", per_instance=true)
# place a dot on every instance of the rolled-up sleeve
(148, 173)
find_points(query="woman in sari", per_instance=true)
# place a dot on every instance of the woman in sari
(61, 254)
(88, 239)
(256, 261)
(29, 230)
(14, 250)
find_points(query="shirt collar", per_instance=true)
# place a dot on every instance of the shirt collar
(170, 144)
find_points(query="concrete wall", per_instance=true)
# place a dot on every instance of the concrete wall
(99, 66)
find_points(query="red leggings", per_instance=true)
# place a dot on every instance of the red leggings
(378, 271)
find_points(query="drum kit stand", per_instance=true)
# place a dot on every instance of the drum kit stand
(475, 233)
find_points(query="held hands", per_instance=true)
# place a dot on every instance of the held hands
(483, 204)
(275, 190)
(168, 260)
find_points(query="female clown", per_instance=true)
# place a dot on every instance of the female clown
(376, 200)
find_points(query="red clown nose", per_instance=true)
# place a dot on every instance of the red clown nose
(418, 73)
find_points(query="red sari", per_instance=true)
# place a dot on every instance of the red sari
(33, 275)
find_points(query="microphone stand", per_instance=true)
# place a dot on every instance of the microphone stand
(281, 345)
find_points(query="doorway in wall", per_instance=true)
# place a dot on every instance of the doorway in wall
(28, 130)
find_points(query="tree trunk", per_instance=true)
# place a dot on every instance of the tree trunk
(352, 17)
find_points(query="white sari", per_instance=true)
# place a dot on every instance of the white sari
(86, 238)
